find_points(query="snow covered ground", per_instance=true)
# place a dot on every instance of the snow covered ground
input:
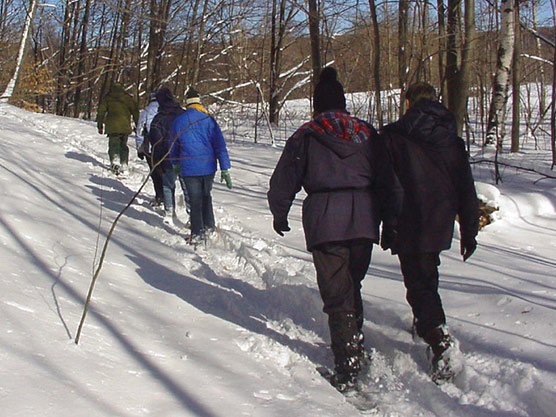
(234, 327)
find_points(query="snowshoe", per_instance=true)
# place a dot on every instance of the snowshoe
(115, 168)
(444, 354)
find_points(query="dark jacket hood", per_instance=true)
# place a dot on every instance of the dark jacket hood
(117, 89)
(427, 122)
(341, 133)
(165, 99)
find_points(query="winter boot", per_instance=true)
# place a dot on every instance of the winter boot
(346, 347)
(363, 357)
(168, 217)
(124, 169)
(446, 359)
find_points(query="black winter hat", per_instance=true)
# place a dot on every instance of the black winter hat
(192, 96)
(165, 97)
(329, 92)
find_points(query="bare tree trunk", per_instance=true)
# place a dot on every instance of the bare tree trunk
(441, 48)
(8, 92)
(199, 45)
(62, 78)
(553, 111)
(458, 77)
(516, 82)
(501, 78)
(314, 31)
(280, 20)
(158, 23)
(81, 58)
(376, 63)
(540, 65)
(403, 9)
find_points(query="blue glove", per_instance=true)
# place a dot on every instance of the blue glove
(225, 176)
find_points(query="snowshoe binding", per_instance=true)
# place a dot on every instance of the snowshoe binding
(444, 354)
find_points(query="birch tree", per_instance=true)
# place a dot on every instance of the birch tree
(501, 78)
(8, 92)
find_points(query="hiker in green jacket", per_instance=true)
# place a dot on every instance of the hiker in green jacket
(114, 118)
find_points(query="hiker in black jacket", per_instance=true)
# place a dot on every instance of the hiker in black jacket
(160, 140)
(432, 165)
(343, 166)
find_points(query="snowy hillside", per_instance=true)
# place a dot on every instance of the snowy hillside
(235, 327)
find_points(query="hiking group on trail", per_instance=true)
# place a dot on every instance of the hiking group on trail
(401, 188)
(184, 144)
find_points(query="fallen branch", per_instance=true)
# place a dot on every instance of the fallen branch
(533, 170)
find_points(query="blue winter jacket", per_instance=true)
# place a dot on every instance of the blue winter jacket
(199, 144)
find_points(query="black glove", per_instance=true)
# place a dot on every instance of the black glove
(141, 155)
(281, 226)
(388, 237)
(467, 247)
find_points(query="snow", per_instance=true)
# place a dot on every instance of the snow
(234, 327)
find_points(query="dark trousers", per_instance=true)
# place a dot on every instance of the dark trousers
(200, 200)
(156, 176)
(117, 146)
(341, 266)
(420, 276)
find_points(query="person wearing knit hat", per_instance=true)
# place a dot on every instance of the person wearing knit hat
(160, 141)
(198, 149)
(192, 97)
(193, 100)
(344, 168)
(329, 92)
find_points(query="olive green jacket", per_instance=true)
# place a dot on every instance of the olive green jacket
(116, 110)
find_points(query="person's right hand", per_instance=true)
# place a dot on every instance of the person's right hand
(388, 237)
(281, 226)
(467, 247)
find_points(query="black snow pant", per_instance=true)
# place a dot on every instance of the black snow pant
(341, 266)
(156, 176)
(420, 275)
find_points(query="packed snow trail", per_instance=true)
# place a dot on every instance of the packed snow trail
(242, 313)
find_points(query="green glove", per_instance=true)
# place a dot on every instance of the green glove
(177, 170)
(225, 176)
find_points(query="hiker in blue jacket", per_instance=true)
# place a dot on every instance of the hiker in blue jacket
(198, 148)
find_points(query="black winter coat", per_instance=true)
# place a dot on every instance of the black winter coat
(350, 186)
(432, 165)
(159, 133)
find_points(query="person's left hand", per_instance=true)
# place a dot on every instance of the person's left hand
(225, 176)
(467, 247)
(100, 130)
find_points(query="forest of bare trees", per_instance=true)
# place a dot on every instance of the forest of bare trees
(60, 56)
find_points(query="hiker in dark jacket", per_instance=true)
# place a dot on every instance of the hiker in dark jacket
(114, 116)
(160, 141)
(432, 165)
(343, 166)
